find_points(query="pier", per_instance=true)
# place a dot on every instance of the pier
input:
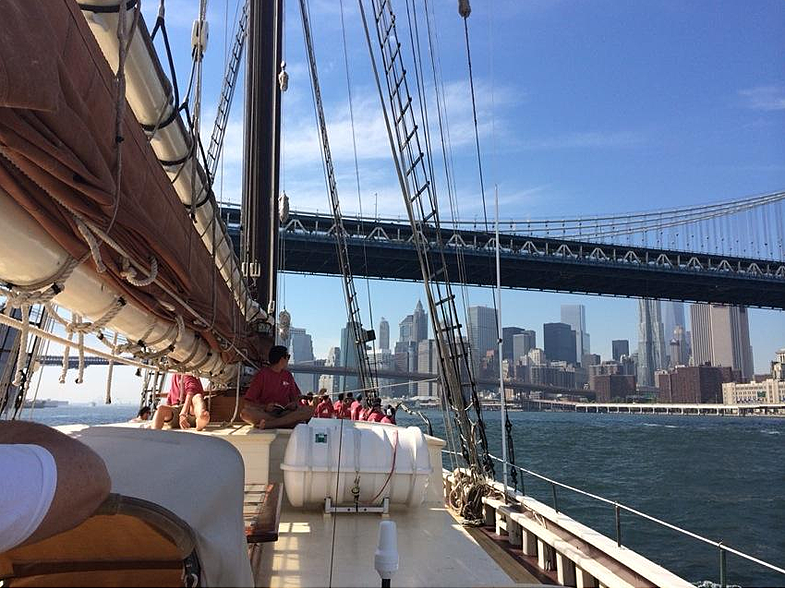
(758, 410)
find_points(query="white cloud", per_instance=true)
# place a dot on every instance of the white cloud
(766, 98)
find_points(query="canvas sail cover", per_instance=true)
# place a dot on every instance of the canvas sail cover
(58, 152)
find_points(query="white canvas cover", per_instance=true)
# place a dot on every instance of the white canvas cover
(199, 478)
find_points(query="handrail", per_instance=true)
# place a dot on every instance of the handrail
(620, 506)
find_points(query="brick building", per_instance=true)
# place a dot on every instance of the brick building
(613, 387)
(694, 384)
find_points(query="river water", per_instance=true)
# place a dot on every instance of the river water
(721, 477)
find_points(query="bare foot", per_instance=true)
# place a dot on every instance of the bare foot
(184, 422)
(261, 425)
(202, 420)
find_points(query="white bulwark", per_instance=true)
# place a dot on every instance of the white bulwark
(771, 390)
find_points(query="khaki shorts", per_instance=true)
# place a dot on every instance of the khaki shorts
(174, 420)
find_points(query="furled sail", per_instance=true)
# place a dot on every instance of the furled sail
(58, 155)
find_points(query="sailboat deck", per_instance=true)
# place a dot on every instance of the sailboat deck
(435, 551)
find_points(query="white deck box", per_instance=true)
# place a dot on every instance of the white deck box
(327, 458)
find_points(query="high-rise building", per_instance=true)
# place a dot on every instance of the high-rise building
(620, 347)
(559, 342)
(672, 317)
(300, 346)
(419, 323)
(301, 351)
(384, 334)
(507, 334)
(575, 317)
(522, 343)
(482, 332)
(406, 329)
(349, 360)
(427, 362)
(329, 381)
(721, 337)
(651, 344)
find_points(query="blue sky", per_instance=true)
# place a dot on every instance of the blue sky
(583, 107)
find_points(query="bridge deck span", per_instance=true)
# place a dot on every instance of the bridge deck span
(384, 250)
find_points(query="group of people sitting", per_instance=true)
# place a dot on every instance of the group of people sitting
(273, 400)
(347, 406)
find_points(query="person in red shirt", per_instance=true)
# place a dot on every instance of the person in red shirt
(324, 408)
(376, 414)
(356, 407)
(272, 399)
(186, 397)
(338, 407)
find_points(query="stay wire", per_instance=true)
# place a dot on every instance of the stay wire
(374, 367)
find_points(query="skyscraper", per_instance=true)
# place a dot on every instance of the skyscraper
(301, 351)
(482, 332)
(672, 316)
(419, 323)
(349, 359)
(575, 317)
(621, 347)
(384, 334)
(721, 336)
(559, 342)
(522, 343)
(651, 343)
(405, 327)
(507, 334)
(427, 362)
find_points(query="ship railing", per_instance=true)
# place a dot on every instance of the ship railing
(723, 548)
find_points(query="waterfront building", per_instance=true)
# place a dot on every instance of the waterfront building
(384, 334)
(651, 345)
(559, 341)
(507, 337)
(482, 332)
(523, 343)
(575, 317)
(770, 390)
(613, 388)
(694, 384)
(721, 337)
(620, 347)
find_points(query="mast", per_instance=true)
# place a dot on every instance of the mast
(262, 149)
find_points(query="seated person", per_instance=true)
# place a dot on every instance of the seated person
(338, 406)
(272, 399)
(307, 400)
(143, 415)
(325, 407)
(376, 413)
(389, 415)
(187, 395)
(51, 483)
(356, 407)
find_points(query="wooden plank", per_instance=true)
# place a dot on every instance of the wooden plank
(262, 513)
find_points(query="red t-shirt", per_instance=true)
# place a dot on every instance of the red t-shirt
(181, 386)
(376, 416)
(324, 409)
(269, 386)
(355, 410)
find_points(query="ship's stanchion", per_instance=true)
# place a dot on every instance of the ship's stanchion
(617, 509)
(723, 568)
(555, 499)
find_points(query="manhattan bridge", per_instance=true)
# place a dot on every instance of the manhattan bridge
(728, 252)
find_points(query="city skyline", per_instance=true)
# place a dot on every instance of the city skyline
(604, 349)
